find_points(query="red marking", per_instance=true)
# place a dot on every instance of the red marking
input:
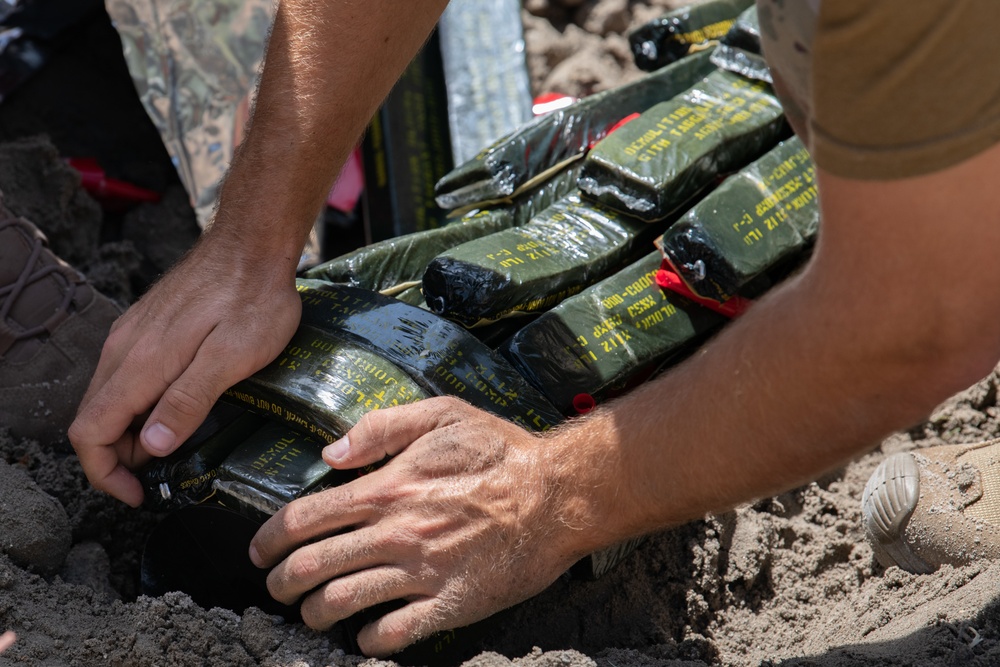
(624, 121)
(668, 279)
(583, 403)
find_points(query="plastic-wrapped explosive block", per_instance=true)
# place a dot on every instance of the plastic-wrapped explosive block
(673, 35)
(185, 477)
(572, 244)
(322, 385)
(529, 153)
(651, 166)
(766, 213)
(745, 32)
(611, 331)
(392, 265)
(441, 356)
(740, 49)
(273, 467)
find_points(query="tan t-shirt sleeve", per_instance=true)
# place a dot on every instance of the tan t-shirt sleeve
(903, 87)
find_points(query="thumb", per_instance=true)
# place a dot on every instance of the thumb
(389, 431)
(186, 403)
(182, 408)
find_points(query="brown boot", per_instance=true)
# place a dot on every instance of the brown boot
(52, 327)
(935, 506)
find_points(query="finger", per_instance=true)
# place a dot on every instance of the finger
(309, 566)
(106, 471)
(305, 519)
(134, 385)
(387, 432)
(7, 640)
(186, 402)
(118, 342)
(399, 628)
(345, 596)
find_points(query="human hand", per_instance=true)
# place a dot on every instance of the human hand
(472, 515)
(7, 640)
(209, 323)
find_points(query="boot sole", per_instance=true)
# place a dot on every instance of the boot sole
(889, 499)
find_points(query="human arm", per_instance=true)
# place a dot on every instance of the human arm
(230, 306)
(890, 317)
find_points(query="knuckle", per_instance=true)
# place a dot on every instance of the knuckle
(116, 334)
(450, 409)
(326, 606)
(397, 633)
(277, 586)
(371, 429)
(187, 400)
(77, 434)
(135, 358)
(302, 566)
(365, 426)
(294, 521)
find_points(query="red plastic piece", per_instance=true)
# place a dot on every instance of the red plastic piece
(346, 192)
(668, 279)
(549, 102)
(624, 121)
(110, 192)
(583, 403)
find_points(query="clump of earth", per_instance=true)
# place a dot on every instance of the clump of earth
(788, 580)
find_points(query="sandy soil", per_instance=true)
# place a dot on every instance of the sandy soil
(786, 581)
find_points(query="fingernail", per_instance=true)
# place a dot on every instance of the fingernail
(158, 438)
(254, 556)
(338, 450)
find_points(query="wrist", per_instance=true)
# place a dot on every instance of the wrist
(237, 255)
(592, 496)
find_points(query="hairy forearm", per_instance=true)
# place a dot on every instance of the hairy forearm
(328, 66)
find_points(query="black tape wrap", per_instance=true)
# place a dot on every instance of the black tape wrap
(671, 36)
(695, 257)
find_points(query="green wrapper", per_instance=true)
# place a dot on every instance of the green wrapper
(572, 244)
(273, 467)
(388, 264)
(597, 340)
(654, 164)
(740, 49)
(322, 385)
(752, 223)
(407, 149)
(529, 152)
(185, 477)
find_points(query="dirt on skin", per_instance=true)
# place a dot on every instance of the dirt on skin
(786, 581)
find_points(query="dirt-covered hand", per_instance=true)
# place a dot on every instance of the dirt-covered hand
(206, 325)
(467, 518)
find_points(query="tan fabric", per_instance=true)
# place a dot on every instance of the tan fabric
(986, 461)
(893, 88)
